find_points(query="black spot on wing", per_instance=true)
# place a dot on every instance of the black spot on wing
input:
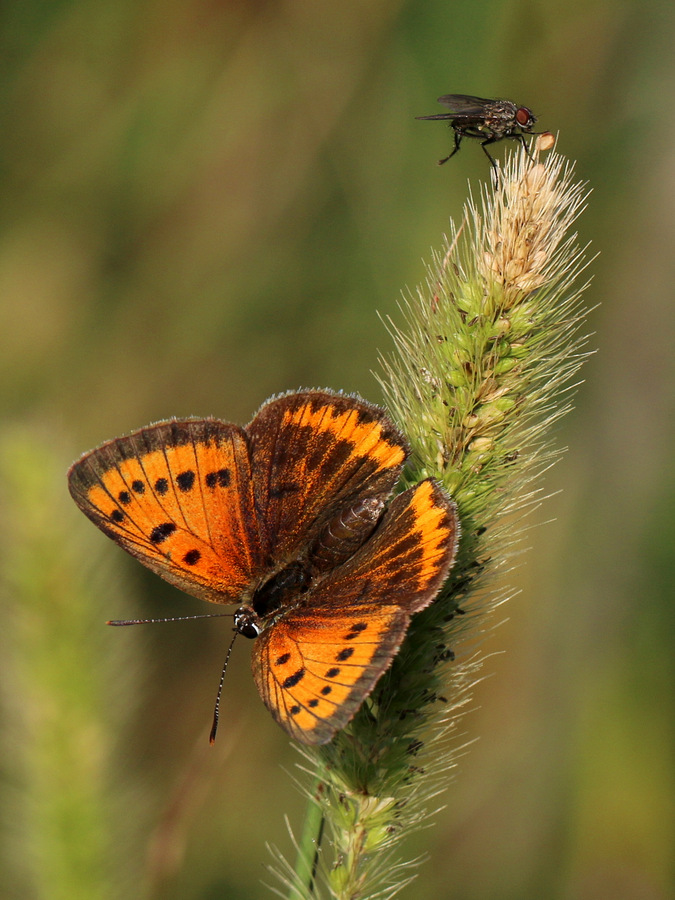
(161, 486)
(192, 557)
(219, 478)
(293, 679)
(185, 481)
(355, 630)
(161, 532)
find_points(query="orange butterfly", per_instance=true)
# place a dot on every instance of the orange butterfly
(285, 517)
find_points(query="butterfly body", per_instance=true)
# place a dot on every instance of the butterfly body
(288, 519)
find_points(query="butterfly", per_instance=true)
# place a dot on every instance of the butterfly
(287, 518)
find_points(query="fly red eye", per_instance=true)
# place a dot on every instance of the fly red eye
(523, 116)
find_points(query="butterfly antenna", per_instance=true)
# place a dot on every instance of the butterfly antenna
(174, 619)
(216, 708)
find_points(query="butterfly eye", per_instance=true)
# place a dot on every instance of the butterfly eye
(246, 622)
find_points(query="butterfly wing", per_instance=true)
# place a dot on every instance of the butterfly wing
(315, 453)
(317, 663)
(178, 496)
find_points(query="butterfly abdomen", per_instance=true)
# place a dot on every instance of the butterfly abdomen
(342, 536)
(338, 540)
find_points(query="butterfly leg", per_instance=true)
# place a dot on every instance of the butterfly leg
(458, 141)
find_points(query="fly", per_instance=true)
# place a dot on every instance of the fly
(487, 120)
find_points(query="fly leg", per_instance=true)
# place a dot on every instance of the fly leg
(458, 141)
(492, 140)
(519, 137)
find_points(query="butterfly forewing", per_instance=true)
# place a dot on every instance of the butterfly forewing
(318, 662)
(179, 496)
(315, 453)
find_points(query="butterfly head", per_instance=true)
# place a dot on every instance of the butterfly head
(247, 622)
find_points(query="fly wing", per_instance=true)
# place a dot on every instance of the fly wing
(464, 109)
(464, 104)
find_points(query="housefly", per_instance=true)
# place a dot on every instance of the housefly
(487, 120)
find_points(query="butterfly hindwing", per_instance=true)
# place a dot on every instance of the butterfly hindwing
(407, 559)
(179, 496)
(314, 668)
(317, 663)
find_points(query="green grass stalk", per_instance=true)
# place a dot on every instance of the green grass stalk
(481, 370)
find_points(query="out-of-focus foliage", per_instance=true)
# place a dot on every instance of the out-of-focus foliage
(206, 203)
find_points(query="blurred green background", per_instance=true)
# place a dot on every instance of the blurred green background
(205, 203)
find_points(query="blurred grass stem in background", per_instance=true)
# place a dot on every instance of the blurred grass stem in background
(482, 369)
(63, 837)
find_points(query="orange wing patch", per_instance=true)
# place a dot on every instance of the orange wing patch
(315, 453)
(179, 497)
(313, 669)
(408, 558)
(367, 437)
